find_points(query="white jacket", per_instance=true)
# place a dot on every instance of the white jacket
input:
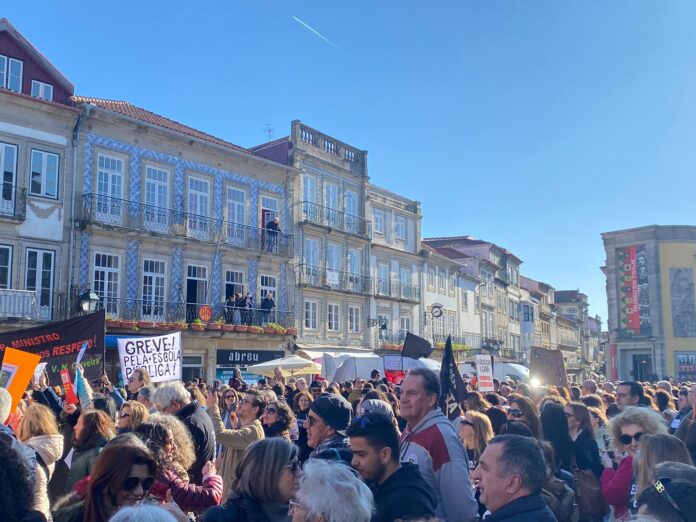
(50, 449)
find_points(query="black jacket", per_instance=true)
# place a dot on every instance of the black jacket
(239, 509)
(524, 509)
(404, 495)
(201, 428)
(588, 445)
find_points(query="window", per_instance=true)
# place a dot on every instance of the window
(109, 189)
(8, 171)
(153, 290)
(44, 174)
(198, 207)
(268, 284)
(405, 325)
(42, 90)
(442, 280)
(514, 308)
(401, 227)
(354, 319)
(310, 314)
(39, 278)
(452, 283)
(452, 324)
(5, 266)
(332, 320)
(107, 273)
(234, 283)
(431, 277)
(528, 313)
(465, 300)
(383, 320)
(156, 198)
(378, 221)
(477, 302)
(11, 73)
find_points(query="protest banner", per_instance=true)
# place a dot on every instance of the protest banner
(548, 367)
(59, 343)
(70, 396)
(160, 356)
(17, 370)
(484, 373)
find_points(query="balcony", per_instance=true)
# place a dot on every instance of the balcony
(119, 213)
(29, 305)
(397, 290)
(13, 202)
(320, 277)
(390, 340)
(334, 219)
(154, 312)
(466, 341)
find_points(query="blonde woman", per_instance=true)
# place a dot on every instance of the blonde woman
(39, 430)
(475, 430)
(132, 415)
(627, 428)
(655, 449)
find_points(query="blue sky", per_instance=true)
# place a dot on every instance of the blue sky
(533, 124)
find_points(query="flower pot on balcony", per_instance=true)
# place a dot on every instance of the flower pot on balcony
(291, 331)
(214, 326)
(197, 327)
(268, 330)
(146, 324)
(113, 323)
(228, 327)
(255, 329)
(242, 328)
(128, 324)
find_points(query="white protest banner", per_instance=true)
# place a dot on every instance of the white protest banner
(484, 373)
(160, 356)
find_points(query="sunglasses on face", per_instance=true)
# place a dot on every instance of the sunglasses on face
(124, 415)
(515, 413)
(294, 466)
(626, 439)
(271, 411)
(316, 390)
(132, 482)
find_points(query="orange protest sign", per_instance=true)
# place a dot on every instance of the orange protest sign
(17, 370)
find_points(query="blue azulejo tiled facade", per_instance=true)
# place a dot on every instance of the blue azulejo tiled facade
(178, 253)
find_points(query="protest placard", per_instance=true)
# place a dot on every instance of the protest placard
(59, 343)
(484, 373)
(160, 356)
(17, 370)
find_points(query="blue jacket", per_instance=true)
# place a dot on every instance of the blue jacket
(524, 509)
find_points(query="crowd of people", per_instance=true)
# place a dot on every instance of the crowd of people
(281, 449)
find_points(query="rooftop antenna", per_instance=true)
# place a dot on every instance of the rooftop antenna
(269, 130)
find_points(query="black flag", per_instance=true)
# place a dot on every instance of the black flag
(452, 388)
(416, 347)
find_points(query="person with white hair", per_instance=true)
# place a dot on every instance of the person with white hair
(143, 513)
(331, 492)
(174, 399)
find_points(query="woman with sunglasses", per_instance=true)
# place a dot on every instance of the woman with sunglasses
(475, 430)
(522, 409)
(160, 441)
(261, 496)
(618, 486)
(132, 415)
(277, 419)
(122, 476)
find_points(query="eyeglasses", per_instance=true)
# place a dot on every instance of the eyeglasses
(315, 390)
(124, 415)
(132, 482)
(626, 439)
(246, 401)
(271, 411)
(294, 504)
(294, 466)
(659, 486)
(516, 413)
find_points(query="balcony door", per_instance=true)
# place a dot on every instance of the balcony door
(405, 283)
(110, 205)
(331, 204)
(333, 265)
(154, 273)
(107, 275)
(156, 199)
(39, 279)
(196, 290)
(309, 198)
(8, 168)
(311, 261)
(383, 279)
(236, 216)
(351, 212)
(198, 208)
(354, 269)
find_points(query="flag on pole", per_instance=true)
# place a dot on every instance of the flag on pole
(452, 388)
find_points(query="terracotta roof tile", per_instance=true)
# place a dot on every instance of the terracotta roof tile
(138, 113)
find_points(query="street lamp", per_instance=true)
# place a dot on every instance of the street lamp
(87, 301)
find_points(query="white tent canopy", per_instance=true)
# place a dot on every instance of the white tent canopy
(362, 366)
(291, 365)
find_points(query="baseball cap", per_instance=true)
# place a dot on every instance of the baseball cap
(334, 411)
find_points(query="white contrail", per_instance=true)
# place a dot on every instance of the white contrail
(317, 33)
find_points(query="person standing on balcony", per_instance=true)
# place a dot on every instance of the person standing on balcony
(267, 306)
(272, 230)
(247, 306)
(229, 309)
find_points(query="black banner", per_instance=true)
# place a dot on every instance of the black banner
(452, 388)
(59, 343)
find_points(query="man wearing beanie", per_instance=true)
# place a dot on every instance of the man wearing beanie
(327, 421)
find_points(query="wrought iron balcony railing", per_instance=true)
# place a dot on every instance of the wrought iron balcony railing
(334, 219)
(13, 201)
(156, 311)
(120, 213)
(30, 305)
(472, 341)
(397, 289)
(337, 280)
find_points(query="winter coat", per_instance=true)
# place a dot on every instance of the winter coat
(237, 509)
(50, 449)
(203, 434)
(71, 513)
(404, 495)
(616, 486)
(301, 441)
(434, 446)
(524, 509)
(82, 463)
(560, 499)
(188, 496)
(588, 446)
(234, 443)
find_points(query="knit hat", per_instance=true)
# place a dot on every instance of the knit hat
(376, 405)
(5, 405)
(334, 410)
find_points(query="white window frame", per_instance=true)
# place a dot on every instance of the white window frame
(404, 324)
(198, 218)
(401, 229)
(108, 288)
(271, 206)
(311, 313)
(156, 211)
(8, 186)
(354, 319)
(156, 304)
(43, 158)
(5, 69)
(378, 221)
(265, 287)
(45, 307)
(236, 279)
(110, 206)
(42, 90)
(333, 317)
(236, 209)
(6, 279)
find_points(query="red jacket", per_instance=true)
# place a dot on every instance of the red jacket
(616, 486)
(189, 497)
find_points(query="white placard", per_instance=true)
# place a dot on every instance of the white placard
(160, 356)
(332, 277)
(484, 373)
(392, 362)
